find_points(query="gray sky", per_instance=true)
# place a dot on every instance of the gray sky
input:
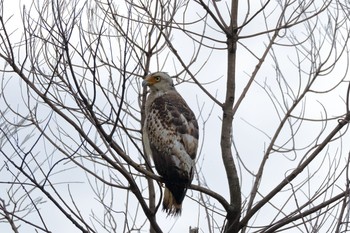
(255, 124)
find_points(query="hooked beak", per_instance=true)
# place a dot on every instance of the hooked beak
(148, 81)
(145, 83)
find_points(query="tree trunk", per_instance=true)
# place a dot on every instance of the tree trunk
(234, 213)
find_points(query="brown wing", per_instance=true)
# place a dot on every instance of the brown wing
(173, 137)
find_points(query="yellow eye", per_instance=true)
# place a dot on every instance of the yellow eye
(157, 78)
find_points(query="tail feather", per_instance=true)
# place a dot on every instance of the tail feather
(170, 205)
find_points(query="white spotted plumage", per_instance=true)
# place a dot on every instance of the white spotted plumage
(170, 137)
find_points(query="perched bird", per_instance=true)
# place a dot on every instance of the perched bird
(170, 137)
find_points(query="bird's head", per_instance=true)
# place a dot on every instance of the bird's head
(158, 81)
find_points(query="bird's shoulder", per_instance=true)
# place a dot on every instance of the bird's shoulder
(173, 112)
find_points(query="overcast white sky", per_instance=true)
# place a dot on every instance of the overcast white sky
(254, 125)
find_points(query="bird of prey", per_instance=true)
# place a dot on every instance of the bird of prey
(170, 137)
